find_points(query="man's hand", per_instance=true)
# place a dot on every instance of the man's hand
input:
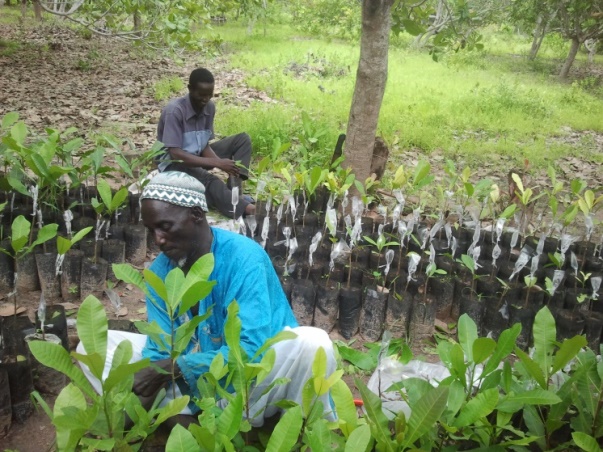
(227, 165)
(148, 382)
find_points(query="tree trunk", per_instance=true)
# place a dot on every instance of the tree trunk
(37, 10)
(571, 56)
(137, 21)
(371, 78)
(539, 33)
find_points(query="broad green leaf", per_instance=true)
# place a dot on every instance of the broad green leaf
(421, 171)
(544, 332)
(456, 397)
(478, 407)
(319, 365)
(192, 292)
(282, 336)
(117, 375)
(514, 402)
(185, 332)
(129, 275)
(230, 419)
(69, 399)
(425, 414)
(122, 354)
(532, 367)
(19, 132)
(467, 334)
(119, 198)
(586, 442)
(457, 361)
(92, 326)
(174, 282)
(318, 436)
(155, 283)
(94, 361)
(203, 267)
(172, 408)
(63, 245)
(9, 119)
(482, 349)
(20, 233)
(412, 27)
(104, 190)
(569, 350)
(80, 235)
(344, 404)
(205, 438)
(518, 182)
(181, 440)
(378, 420)
(506, 344)
(285, 434)
(47, 232)
(56, 357)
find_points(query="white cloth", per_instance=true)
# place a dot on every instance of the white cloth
(294, 358)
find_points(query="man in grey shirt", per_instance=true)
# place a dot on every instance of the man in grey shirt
(185, 128)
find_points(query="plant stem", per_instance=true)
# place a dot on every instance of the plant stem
(350, 272)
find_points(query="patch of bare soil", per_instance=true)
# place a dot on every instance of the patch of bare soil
(58, 79)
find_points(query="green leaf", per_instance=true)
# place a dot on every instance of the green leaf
(47, 232)
(104, 190)
(129, 275)
(9, 119)
(18, 132)
(122, 372)
(532, 367)
(359, 440)
(155, 283)
(80, 235)
(285, 433)
(119, 198)
(174, 281)
(202, 268)
(172, 408)
(467, 334)
(412, 28)
(63, 245)
(378, 421)
(92, 327)
(94, 362)
(56, 357)
(344, 405)
(514, 402)
(181, 440)
(282, 336)
(506, 344)
(421, 171)
(586, 442)
(230, 419)
(478, 407)
(569, 350)
(518, 182)
(20, 233)
(426, 413)
(482, 349)
(545, 333)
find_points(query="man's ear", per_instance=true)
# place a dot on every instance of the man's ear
(198, 214)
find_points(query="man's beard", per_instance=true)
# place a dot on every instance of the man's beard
(182, 262)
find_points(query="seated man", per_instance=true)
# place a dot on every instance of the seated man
(173, 209)
(185, 127)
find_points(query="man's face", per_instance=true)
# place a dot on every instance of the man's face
(200, 94)
(174, 228)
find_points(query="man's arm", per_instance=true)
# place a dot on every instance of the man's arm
(207, 160)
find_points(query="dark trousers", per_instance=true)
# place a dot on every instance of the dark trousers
(217, 193)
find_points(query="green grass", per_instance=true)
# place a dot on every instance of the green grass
(469, 105)
(167, 87)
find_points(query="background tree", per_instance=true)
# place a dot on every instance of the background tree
(371, 78)
(579, 20)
